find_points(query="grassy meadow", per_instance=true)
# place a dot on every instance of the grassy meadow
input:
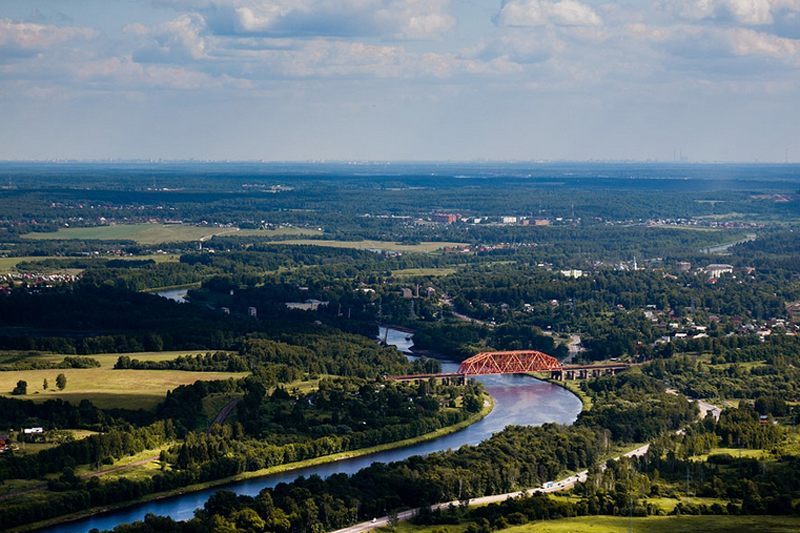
(147, 233)
(107, 360)
(377, 245)
(651, 524)
(414, 272)
(105, 387)
(9, 264)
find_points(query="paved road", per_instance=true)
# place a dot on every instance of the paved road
(706, 408)
(557, 486)
(560, 485)
(445, 300)
(574, 346)
(223, 413)
(219, 419)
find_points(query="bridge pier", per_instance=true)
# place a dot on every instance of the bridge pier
(460, 379)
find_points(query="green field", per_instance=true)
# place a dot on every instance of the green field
(28, 448)
(662, 524)
(107, 360)
(733, 452)
(149, 468)
(105, 387)
(668, 504)
(413, 272)
(575, 388)
(281, 231)
(158, 233)
(375, 245)
(651, 524)
(685, 227)
(9, 264)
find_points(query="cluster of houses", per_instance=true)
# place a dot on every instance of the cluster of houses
(503, 220)
(703, 223)
(29, 435)
(12, 280)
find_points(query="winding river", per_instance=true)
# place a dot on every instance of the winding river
(176, 295)
(518, 400)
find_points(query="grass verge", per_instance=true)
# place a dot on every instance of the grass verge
(574, 388)
(620, 524)
(662, 524)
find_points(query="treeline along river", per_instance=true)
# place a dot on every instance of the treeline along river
(518, 400)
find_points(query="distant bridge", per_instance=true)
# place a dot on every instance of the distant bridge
(518, 362)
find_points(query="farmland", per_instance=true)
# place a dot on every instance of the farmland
(386, 246)
(159, 233)
(651, 524)
(106, 360)
(661, 524)
(105, 387)
(9, 264)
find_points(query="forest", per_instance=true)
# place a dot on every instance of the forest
(578, 261)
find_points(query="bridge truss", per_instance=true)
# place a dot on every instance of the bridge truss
(511, 362)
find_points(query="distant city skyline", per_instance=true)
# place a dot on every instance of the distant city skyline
(400, 80)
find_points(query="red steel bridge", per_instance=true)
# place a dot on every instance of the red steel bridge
(518, 362)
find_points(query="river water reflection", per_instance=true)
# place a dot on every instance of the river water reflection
(518, 400)
(177, 295)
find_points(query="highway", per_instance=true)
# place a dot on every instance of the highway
(560, 485)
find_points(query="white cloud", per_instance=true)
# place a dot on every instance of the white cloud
(336, 58)
(397, 19)
(23, 39)
(747, 12)
(524, 13)
(124, 71)
(718, 46)
(245, 43)
(519, 47)
(746, 42)
(178, 40)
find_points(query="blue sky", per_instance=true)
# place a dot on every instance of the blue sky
(400, 79)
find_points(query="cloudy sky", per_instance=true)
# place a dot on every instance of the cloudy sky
(400, 79)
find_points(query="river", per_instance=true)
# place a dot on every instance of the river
(177, 295)
(518, 400)
(722, 249)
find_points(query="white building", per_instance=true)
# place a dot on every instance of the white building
(716, 270)
(309, 305)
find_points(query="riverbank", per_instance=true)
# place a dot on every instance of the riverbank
(195, 285)
(488, 406)
(574, 388)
